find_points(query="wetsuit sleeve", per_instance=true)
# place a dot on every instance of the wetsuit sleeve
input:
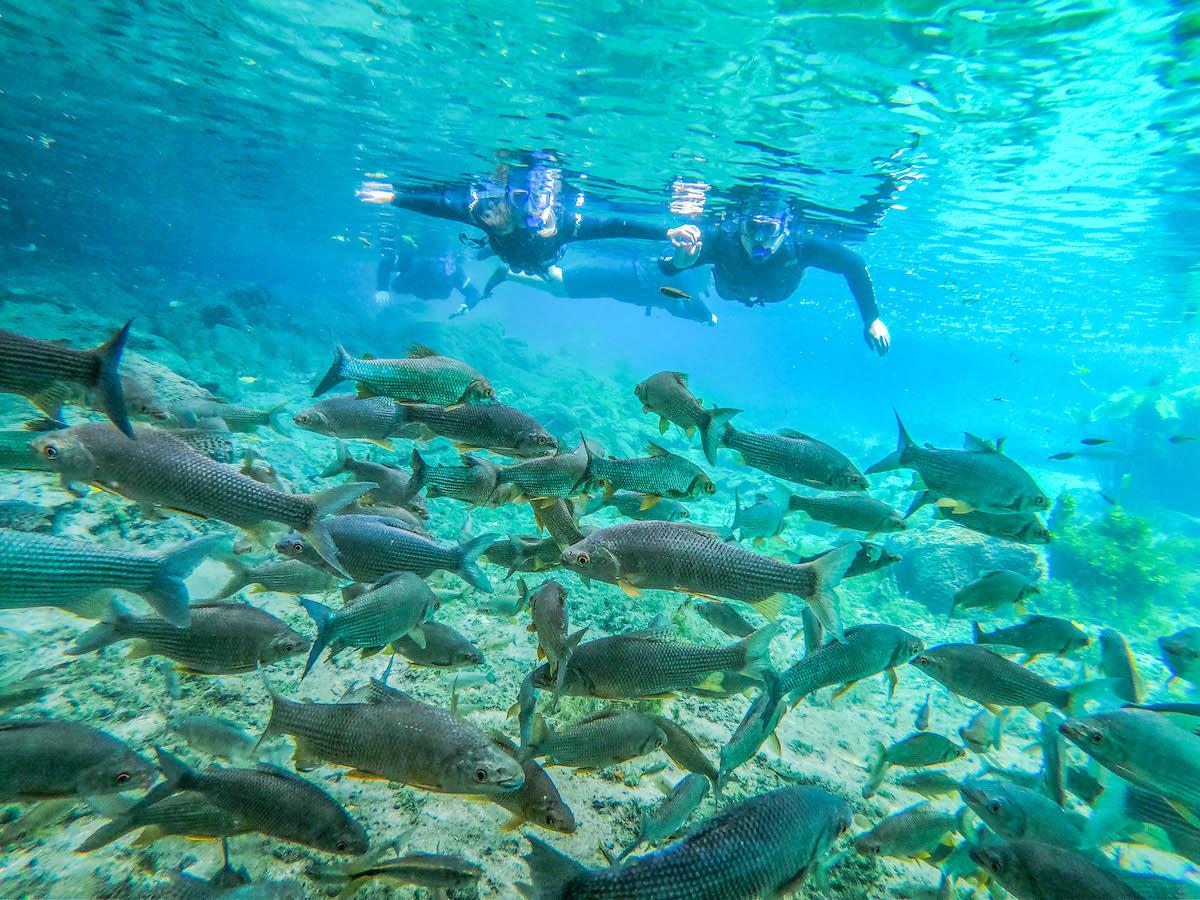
(833, 257)
(452, 202)
(462, 281)
(383, 275)
(597, 227)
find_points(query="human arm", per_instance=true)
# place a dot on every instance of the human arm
(834, 257)
(452, 202)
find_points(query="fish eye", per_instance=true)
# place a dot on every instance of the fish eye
(550, 822)
(995, 807)
(123, 777)
(582, 559)
(289, 647)
(994, 865)
(302, 418)
(1096, 737)
(50, 451)
(481, 775)
(297, 547)
(341, 846)
(710, 488)
(922, 660)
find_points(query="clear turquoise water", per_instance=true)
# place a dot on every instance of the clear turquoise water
(1038, 271)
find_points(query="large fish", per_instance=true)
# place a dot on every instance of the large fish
(979, 478)
(653, 663)
(44, 570)
(1030, 870)
(422, 376)
(49, 374)
(602, 739)
(1019, 813)
(1020, 528)
(369, 548)
(758, 847)
(487, 426)
(400, 738)
(268, 800)
(1181, 654)
(375, 419)
(216, 414)
(667, 395)
(660, 473)
(44, 758)
(797, 458)
(1035, 635)
(158, 470)
(391, 483)
(443, 647)
(639, 556)
(635, 505)
(867, 650)
(978, 674)
(220, 639)
(187, 813)
(560, 475)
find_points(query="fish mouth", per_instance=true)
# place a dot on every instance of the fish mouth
(512, 782)
(1071, 729)
(971, 795)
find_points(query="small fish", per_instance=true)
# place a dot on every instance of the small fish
(206, 414)
(639, 556)
(524, 553)
(475, 481)
(666, 394)
(268, 800)
(796, 457)
(40, 816)
(1053, 778)
(673, 293)
(442, 873)
(978, 478)
(1062, 455)
(602, 739)
(1181, 654)
(394, 607)
(550, 620)
(995, 589)
(1032, 869)
(929, 783)
(45, 570)
(868, 650)
(46, 374)
(1117, 664)
(854, 511)
(537, 800)
(642, 507)
(1184, 438)
(660, 473)
(420, 377)
(47, 758)
(921, 723)
(664, 821)
(654, 662)
(924, 748)
(348, 417)
(216, 737)
(370, 548)
(1035, 635)
(757, 727)
(1095, 442)
(444, 648)
(763, 520)
(684, 751)
(913, 833)
(489, 426)
(220, 638)
(398, 738)
(988, 678)
(754, 848)
(560, 475)
(187, 813)
(724, 618)
(283, 576)
(1021, 528)
(983, 733)
(21, 515)
(391, 484)
(870, 558)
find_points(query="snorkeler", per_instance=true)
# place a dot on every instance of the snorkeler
(758, 258)
(424, 275)
(527, 213)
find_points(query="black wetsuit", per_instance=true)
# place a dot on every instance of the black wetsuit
(425, 276)
(635, 279)
(775, 279)
(523, 249)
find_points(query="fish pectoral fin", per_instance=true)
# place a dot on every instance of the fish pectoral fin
(758, 541)
(1188, 814)
(770, 607)
(892, 679)
(363, 392)
(381, 442)
(702, 596)
(628, 587)
(1029, 657)
(714, 682)
(584, 770)
(992, 708)
(775, 743)
(663, 425)
(956, 507)
(690, 431)
(149, 835)
(514, 822)
(1019, 606)
(649, 501)
(467, 448)
(841, 690)
(361, 775)
(418, 637)
(139, 650)
(541, 654)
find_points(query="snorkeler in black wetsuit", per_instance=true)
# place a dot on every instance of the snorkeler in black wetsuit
(757, 258)
(528, 214)
(425, 276)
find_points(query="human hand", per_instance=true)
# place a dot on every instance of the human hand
(687, 241)
(878, 337)
(382, 298)
(375, 192)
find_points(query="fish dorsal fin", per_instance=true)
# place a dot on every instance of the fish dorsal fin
(653, 449)
(795, 435)
(420, 351)
(378, 692)
(281, 773)
(608, 713)
(978, 444)
(368, 356)
(681, 377)
(504, 742)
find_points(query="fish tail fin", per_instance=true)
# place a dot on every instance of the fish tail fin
(420, 471)
(550, 870)
(177, 775)
(757, 649)
(107, 631)
(276, 420)
(826, 571)
(336, 373)
(539, 732)
(712, 429)
(894, 460)
(976, 633)
(321, 614)
(469, 567)
(167, 592)
(924, 498)
(876, 768)
(108, 387)
(339, 463)
(239, 577)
